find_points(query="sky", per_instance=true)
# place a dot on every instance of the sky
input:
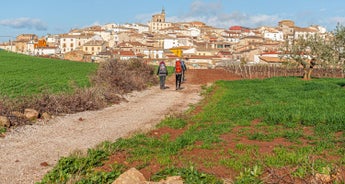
(42, 17)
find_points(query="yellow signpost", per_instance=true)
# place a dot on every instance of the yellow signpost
(176, 51)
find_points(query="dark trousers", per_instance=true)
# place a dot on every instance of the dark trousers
(183, 79)
(178, 80)
(162, 81)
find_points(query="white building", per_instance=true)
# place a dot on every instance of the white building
(194, 32)
(304, 32)
(71, 42)
(46, 51)
(30, 49)
(9, 46)
(140, 28)
(52, 40)
(170, 43)
(109, 26)
(154, 53)
(273, 34)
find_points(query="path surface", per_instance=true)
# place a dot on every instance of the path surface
(29, 152)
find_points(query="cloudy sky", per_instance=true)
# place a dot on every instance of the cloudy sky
(43, 17)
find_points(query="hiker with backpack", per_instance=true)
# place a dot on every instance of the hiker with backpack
(178, 73)
(162, 72)
(184, 69)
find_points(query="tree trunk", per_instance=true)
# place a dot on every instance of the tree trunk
(309, 73)
(305, 73)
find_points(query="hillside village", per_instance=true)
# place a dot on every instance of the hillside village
(202, 46)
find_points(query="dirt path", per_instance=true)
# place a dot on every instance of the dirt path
(27, 153)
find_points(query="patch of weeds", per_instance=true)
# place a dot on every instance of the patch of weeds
(173, 122)
(283, 156)
(100, 177)
(322, 145)
(243, 131)
(206, 90)
(2, 130)
(248, 149)
(300, 158)
(237, 161)
(293, 135)
(260, 136)
(189, 175)
(249, 175)
(75, 165)
(209, 164)
(164, 159)
(240, 146)
(309, 167)
(290, 124)
(243, 122)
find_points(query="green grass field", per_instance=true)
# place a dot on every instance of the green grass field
(22, 75)
(307, 115)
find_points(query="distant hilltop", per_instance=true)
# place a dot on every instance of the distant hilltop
(204, 46)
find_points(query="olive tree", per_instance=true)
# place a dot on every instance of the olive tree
(307, 52)
(339, 44)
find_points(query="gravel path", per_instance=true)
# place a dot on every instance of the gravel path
(27, 153)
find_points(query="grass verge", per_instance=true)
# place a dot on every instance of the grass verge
(251, 131)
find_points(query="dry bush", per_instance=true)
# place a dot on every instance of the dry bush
(123, 77)
(111, 80)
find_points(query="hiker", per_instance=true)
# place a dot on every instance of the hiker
(184, 69)
(162, 72)
(178, 73)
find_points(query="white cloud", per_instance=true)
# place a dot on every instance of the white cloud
(24, 22)
(145, 17)
(203, 8)
(336, 20)
(231, 19)
(212, 14)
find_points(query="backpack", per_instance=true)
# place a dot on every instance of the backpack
(178, 67)
(183, 66)
(162, 69)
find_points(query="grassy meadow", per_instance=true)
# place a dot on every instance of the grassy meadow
(250, 131)
(22, 75)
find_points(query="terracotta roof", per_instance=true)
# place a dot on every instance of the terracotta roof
(202, 57)
(272, 59)
(127, 53)
(94, 43)
(224, 52)
(170, 56)
(270, 52)
(235, 28)
(239, 28)
(300, 29)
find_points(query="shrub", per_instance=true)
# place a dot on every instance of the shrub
(123, 77)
